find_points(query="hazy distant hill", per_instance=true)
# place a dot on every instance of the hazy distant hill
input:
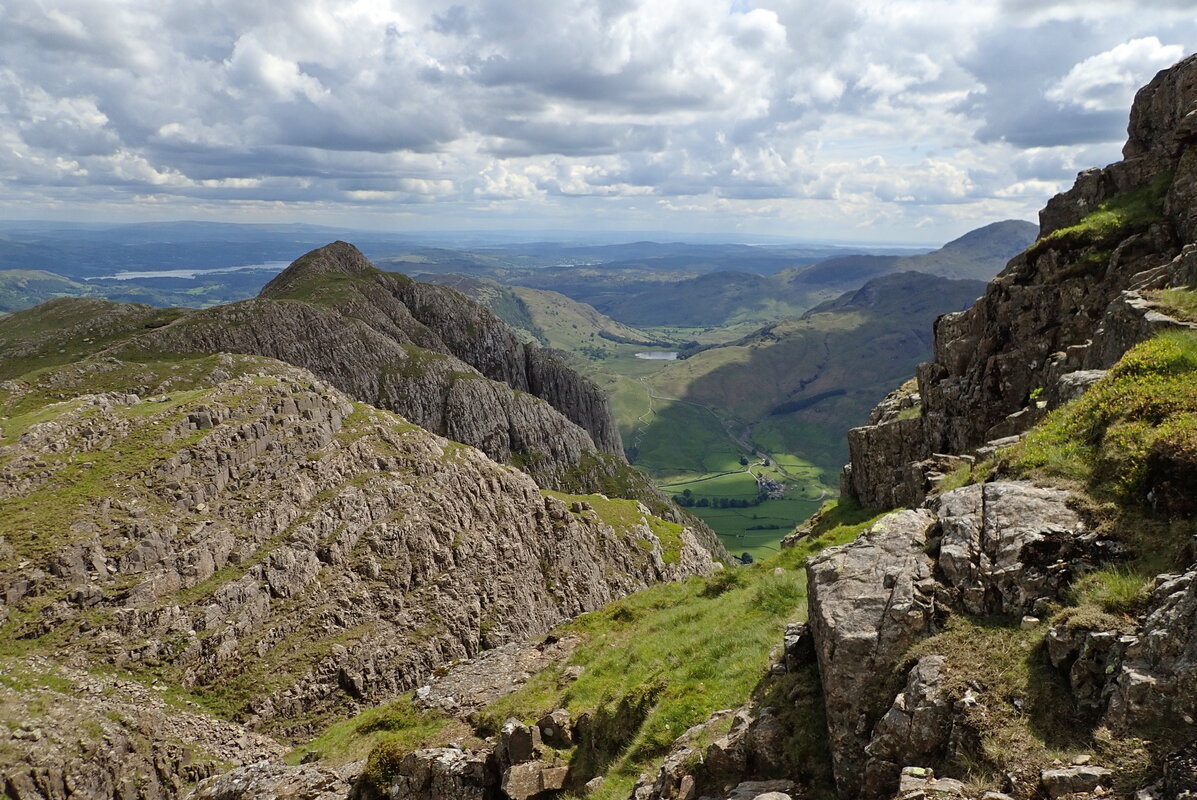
(675, 292)
(551, 318)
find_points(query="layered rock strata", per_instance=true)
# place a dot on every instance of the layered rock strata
(1070, 302)
(253, 537)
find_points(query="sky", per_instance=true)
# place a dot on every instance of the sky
(882, 121)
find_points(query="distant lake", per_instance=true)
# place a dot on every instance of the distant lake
(189, 274)
(659, 355)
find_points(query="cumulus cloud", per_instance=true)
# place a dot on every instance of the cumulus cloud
(1107, 81)
(794, 115)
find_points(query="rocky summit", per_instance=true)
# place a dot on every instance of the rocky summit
(352, 539)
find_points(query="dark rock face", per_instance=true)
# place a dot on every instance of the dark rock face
(1057, 308)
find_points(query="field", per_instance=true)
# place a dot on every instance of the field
(691, 448)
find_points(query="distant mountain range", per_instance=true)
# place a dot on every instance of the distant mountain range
(652, 292)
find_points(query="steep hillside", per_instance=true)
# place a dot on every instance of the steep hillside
(426, 352)
(192, 547)
(1071, 302)
(22, 288)
(979, 254)
(1027, 624)
(551, 318)
(790, 390)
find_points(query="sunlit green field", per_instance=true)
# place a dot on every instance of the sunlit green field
(684, 446)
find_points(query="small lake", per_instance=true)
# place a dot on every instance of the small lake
(658, 355)
(190, 274)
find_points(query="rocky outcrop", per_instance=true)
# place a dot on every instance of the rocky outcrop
(251, 535)
(81, 734)
(443, 320)
(1000, 549)
(423, 351)
(915, 729)
(426, 352)
(444, 772)
(1156, 682)
(869, 601)
(1067, 304)
(269, 779)
(1010, 547)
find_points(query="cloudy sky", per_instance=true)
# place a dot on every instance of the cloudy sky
(877, 120)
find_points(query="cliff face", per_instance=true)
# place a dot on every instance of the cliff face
(1058, 308)
(914, 624)
(239, 531)
(443, 320)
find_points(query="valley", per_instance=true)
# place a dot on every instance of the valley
(780, 349)
(598, 400)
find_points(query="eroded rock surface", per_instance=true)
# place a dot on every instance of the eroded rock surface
(1156, 683)
(1067, 304)
(869, 601)
(263, 542)
(1008, 547)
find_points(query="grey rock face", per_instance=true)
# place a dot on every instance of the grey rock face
(1157, 681)
(869, 601)
(1008, 546)
(267, 780)
(435, 390)
(443, 320)
(445, 772)
(1072, 385)
(915, 730)
(1074, 780)
(94, 736)
(271, 492)
(1088, 657)
(1062, 306)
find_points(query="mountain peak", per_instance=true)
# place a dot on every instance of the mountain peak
(338, 259)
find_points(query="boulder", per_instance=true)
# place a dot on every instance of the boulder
(1008, 547)
(518, 743)
(1074, 780)
(1156, 683)
(556, 729)
(916, 729)
(869, 601)
(445, 773)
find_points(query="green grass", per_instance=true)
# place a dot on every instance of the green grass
(664, 659)
(685, 441)
(1116, 590)
(1113, 220)
(1120, 435)
(735, 526)
(1179, 303)
(396, 726)
(625, 517)
(1023, 721)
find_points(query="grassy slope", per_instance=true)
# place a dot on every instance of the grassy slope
(789, 391)
(655, 664)
(576, 327)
